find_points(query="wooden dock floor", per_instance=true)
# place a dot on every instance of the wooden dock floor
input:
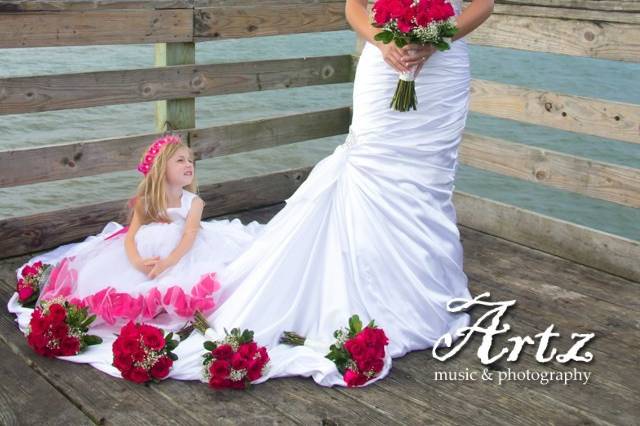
(548, 290)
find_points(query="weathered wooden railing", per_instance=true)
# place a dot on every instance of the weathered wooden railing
(600, 29)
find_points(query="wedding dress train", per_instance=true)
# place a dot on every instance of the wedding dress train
(372, 231)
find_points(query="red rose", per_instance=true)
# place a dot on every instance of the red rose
(24, 293)
(139, 355)
(354, 379)
(219, 383)
(57, 313)
(238, 362)
(355, 348)
(364, 365)
(29, 270)
(377, 365)
(129, 345)
(152, 337)
(248, 349)
(38, 324)
(60, 330)
(223, 352)
(160, 369)
(129, 331)
(237, 384)
(254, 371)
(138, 375)
(70, 346)
(264, 355)
(371, 354)
(37, 342)
(122, 361)
(220, 368)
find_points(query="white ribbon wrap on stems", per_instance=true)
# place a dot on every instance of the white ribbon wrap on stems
(408, 76)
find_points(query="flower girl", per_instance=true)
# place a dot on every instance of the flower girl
(162, 266)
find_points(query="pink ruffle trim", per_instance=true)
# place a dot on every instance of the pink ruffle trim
(111, 305)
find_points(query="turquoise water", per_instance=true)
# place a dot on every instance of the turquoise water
(579, 76)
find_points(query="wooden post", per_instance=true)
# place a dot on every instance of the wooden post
(175, 113)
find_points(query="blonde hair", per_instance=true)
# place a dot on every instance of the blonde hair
(150, 201)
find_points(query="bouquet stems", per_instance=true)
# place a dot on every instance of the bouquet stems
(200, 322)
(405, 97)
(292, 338)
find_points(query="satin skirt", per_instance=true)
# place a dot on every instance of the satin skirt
(372, 231)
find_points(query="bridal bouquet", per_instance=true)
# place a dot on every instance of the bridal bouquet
(358, 352)
(413, 21)
(233, 362)
(30, 281)
(59, 328)
(142, 352)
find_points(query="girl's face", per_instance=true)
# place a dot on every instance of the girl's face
(180, 168)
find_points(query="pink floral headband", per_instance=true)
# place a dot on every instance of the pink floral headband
(154, 149)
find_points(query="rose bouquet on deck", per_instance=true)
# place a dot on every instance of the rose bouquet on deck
(358, 352)
(31, 279)
(413, 21)
(142, 352)
(234, 361)
(59, 328)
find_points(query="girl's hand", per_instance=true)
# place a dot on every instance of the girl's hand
(392, 55)
(159, 267)
(146, 265)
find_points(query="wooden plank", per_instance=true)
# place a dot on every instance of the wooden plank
(610, 182)
(64, 161)
(600, 250)
(27, 399)
(598, 117)
(271, 18)
(602, 40)
(259, 134)
(606, 5)
(43, 29)
(539, 269)
(567, 13)
(58, 92)
(55, 162)
(66, 5)
(27, 234)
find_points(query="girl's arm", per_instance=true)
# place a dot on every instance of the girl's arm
(191, 228)
(143, 265)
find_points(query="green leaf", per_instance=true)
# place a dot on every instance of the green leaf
(168, 337)
(355, 325)
(173, 356)
(209, 345)
(384, 36)
(171, 345)
(92, 340)
(87, 322)
(401, 42)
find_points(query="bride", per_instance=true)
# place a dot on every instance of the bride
(372, 231)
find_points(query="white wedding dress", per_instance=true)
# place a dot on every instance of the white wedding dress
(372, 231)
